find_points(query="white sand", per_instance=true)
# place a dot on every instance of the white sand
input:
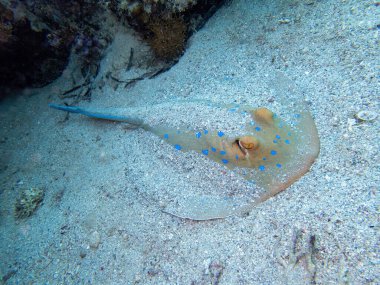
(105, 180)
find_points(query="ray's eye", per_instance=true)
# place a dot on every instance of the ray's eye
(247, 143)
(241, 147)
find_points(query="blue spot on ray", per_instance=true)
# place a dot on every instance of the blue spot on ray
(205, 132)
(258, 129)
(177, 147)
(222, 152)
(220, 134)
(273, 152)
(213, 149)
(198, 135)
(205, 151)
(166, 136)
(237, 157)
(278, 137)
(225, 161)
(274, 141)
(261, 167)
(287, 141)
(278, 165)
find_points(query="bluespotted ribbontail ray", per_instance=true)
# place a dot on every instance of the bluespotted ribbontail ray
(271, 152)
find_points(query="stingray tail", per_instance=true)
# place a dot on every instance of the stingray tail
(111, 115)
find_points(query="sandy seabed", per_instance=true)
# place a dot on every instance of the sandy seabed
(105, 184)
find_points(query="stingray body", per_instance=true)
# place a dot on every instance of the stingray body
(269, 151)
(276, 153)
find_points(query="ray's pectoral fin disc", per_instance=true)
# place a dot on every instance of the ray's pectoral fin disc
(275, 154)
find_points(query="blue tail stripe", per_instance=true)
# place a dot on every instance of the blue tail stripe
(97, 115)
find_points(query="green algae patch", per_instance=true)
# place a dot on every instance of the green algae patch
(28, 202)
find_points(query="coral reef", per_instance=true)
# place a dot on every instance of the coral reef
(168, 37)
(36, 38)
(165, 25)
(150, 6)
(6, 17)
(28, 202)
